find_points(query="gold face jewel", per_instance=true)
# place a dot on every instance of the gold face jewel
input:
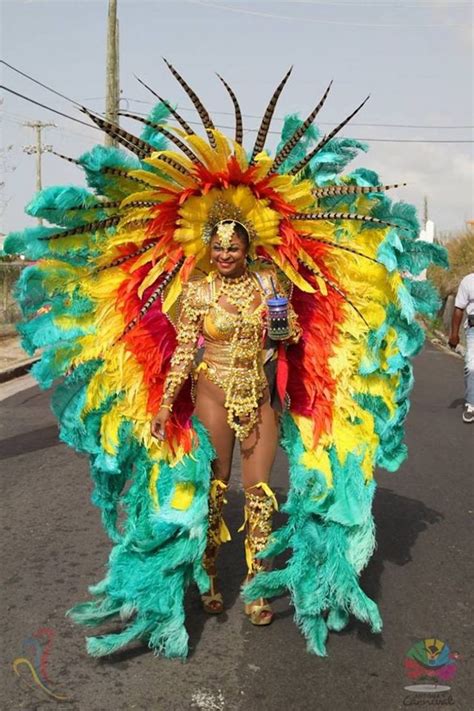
(225, 231)
(223, 211)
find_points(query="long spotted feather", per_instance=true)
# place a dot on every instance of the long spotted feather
(106, 205)
(340, 216)
(334, 286)
(126, 257)
(304, 162)
(167, 134)
(173, 163)
(284, 152)
(203, 114)
(334, 190)
(152, 298)
(267, 117)
(117, 172)
(141, 148)
(239, 128)
(123, 173)
(94, 227)
(184, 125)
(114, 263)
(334, 245)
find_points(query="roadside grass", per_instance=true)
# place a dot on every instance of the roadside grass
(461, 262)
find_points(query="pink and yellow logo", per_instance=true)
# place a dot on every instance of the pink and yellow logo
(430, 663)
(37, 649)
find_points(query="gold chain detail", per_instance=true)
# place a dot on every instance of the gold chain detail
(217, 531)
(258, 525)
(246, 381)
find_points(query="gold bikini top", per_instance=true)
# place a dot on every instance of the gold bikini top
(219, 324)
(238, 339)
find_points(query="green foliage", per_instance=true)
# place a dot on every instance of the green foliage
(461, 262)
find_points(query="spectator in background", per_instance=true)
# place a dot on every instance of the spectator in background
(465, 302)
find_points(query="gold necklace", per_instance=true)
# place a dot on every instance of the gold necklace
(239, 291)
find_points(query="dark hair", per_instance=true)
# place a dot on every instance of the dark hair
(239, 230)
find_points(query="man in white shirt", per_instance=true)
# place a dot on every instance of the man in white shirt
(465, 302)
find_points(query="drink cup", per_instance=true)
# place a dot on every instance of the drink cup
(278, 325)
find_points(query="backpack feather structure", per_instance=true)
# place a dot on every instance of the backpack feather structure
(110, 268)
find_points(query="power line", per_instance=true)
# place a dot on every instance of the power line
(282, 118)
(380, 3)
(259, 13)
(20, 119)
(43, 106)
(277, 133)
(320, 123)
(369, 140)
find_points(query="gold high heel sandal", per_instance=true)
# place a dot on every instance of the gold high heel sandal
(258, 526)
(217, 533)
(212, 602)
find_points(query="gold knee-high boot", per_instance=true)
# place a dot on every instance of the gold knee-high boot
(217, 533)
(259, 509)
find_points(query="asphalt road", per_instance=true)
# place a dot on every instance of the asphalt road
(421, 576)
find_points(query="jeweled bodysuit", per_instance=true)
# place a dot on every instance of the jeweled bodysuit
(234, 342)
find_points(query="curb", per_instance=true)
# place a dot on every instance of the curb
(16, 370)
(440, 342)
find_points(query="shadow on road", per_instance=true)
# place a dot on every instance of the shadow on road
(29, 442)
(399, 521)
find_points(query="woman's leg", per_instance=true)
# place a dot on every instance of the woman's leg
(258, 454)
(258, 450)
(210, 410)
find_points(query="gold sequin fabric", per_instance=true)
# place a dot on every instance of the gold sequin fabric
(215, 522)
(233, 343)
(258, 525)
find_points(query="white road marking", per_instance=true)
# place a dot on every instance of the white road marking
(207, 700)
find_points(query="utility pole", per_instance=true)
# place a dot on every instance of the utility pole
(38, 149)
(425, 210)
(113, 77)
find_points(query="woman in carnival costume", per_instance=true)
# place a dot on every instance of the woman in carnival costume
(235, 394)
(188, 249)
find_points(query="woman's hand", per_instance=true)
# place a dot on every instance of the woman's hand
(158, 423)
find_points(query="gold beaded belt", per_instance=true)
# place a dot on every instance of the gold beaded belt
(243, 384)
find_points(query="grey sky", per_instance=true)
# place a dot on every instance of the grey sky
(413, 57)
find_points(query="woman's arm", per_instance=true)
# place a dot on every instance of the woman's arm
(188, 328)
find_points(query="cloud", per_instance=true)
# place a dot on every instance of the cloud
(443, 12)
(442, 172)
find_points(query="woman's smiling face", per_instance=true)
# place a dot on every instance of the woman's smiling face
(230, 261)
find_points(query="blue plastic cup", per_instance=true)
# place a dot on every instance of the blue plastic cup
(278, 325)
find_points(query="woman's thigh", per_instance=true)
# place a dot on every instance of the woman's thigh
(258, 450)
(210, 410)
